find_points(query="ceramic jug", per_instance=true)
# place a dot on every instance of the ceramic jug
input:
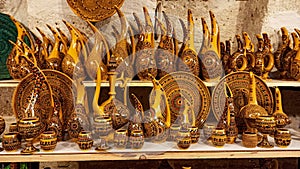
(210, 52)
(145, 62)
(188, 59)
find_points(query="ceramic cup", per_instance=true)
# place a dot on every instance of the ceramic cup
(174, 129)
(219, 137)
(208, 129)
(184, 138)
(48, 141)
(120, 138)
(195, 134)
(11, 142)
(249, 139)
(136, 139)
(282, 137)
(13, 127)
(85, 141)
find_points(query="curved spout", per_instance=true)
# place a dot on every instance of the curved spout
(100, 37)
(124, 23)
(215, 33)
(138, 106)
(206, 33)
(95, 105)
(159, 91)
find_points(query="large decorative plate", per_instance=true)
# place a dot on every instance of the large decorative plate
(179, 85)
(62, 88)
(8, 31)
(94, 10)
(239, 85)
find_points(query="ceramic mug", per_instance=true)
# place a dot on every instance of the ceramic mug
(136, 139)
(11, 141)
(85, 141)
(120, 138)
(219, 137)
(48, 141)
(282, 137)
(249, 139)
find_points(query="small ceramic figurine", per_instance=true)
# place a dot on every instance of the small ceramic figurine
(210, 53)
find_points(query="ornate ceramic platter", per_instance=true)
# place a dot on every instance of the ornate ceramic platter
(179, 85)
(62, 88)
(94, 10)
(239, 85)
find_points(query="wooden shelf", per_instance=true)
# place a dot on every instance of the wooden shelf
(69, 151)
(137, 83)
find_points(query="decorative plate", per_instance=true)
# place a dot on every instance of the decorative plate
(62, 88)
(179, 85)
(239, 85)
(8, 31)
(94, 10)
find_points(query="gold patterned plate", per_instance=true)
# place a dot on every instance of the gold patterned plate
(62, 88)
(179, 85)
(94, 10)
(239, 85)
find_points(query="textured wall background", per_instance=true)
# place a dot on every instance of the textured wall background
(233, 16)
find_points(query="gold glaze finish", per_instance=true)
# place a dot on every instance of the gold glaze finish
(252, 110)
(123, 51)
(155, 124)
(239, 84)
(72, 63)
(93, 10)
(145, 62)
(165, 53)
(295, 63)
(118, 112)
(94, 59)
(210, 53)
(264, 59)
(188, 59)
(282, 50)
(248, 51)
(238, 60)
(280, 117)
(266, 125)
(182, 84)
(29, 128)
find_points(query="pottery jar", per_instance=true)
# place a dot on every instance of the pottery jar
(282, 137)
(120, 138)
(208, 130)
(11, 142)
(136, 139)
(249, 139)
(48, 141)
(195, 134)
(219, 137)
(85, 141)
(173, 131)
(184, 138)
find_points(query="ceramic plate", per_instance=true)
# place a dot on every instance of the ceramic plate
(94, 10)
(239, 85)
(179, 85)
(62, 88)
